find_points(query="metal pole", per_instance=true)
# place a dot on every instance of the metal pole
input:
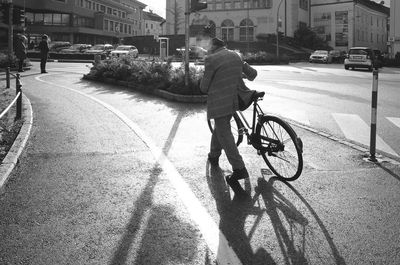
(277, 31)
(374, 104)
(19, 100)
(187, 14)
(10, 30)
(8, 77)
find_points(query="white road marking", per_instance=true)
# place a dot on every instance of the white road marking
(395, 121)
(214, 238)
(355, 129)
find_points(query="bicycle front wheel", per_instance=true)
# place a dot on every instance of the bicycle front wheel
(236, 124)
(280, 147)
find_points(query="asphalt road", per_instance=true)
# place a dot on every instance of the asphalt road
(112, 176)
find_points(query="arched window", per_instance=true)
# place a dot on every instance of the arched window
(227, 27)
(246, 30)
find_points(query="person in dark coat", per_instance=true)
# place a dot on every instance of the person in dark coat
(222, 77)
(20, 51)
(44, 53)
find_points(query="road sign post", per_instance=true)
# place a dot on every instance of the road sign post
(374, 104)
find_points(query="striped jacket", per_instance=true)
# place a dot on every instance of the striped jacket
(222, 75)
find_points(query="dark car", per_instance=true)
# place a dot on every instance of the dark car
(378, 58)
(76, 48)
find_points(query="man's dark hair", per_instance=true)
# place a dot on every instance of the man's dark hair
(218, 42)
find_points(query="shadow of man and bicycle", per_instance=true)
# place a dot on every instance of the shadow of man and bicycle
(268, 228)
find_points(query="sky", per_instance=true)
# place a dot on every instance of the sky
(158, 6)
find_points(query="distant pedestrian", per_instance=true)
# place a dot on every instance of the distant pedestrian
(31, 45)
(44, 53)
(20, 51)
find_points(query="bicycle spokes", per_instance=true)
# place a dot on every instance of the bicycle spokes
(279, 148)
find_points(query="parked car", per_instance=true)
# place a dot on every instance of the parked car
(57, 46)
(360, 57)
(322, 56)
(195, 52)
(378, 58)
(100, 49)
(76, 48)
(337, 56)
(125, 50)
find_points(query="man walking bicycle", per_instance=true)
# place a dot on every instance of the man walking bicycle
(222, 78)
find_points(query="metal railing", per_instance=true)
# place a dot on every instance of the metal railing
(18, 97)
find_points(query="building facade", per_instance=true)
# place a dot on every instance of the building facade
(394, 34)
(345, 24)
(241, 20)
(82, 21)
(152, 23)
(342, 23)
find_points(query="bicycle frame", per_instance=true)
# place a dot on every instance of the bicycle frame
(252, 139)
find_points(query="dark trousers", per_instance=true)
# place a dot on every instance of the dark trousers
(43, 61)
(20, 64)
(222, 139)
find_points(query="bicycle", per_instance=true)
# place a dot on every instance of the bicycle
(273, 138)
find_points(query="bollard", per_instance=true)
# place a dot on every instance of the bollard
(374, 104)
(8, 77)
(19, 99)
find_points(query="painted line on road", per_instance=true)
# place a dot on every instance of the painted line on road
(213, 236)
(354, 128)
(394, 120)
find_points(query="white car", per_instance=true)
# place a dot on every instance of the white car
(360, 57)
(125, 50)
(322, 56)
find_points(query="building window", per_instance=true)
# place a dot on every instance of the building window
(103, 8)
(246, 30)
(303, 4)
(106, 24)
(227, 28)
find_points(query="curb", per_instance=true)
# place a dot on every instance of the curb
(11, 159)
(158, 92)
(380, 155)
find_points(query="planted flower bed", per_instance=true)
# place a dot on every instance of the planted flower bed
(147, 76)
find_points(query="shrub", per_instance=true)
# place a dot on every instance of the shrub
(265, 58)
(6, 60)
(155, 74)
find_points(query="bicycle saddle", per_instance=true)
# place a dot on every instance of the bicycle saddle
(258, 95)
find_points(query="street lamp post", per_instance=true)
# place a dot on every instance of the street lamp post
(277, 31)
(10, 27)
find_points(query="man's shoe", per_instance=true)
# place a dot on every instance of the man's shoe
(21, 70)
(214, 161)
(235, 186)
(44, 72)
(240, 174)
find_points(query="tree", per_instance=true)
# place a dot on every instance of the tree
(307, 38)
(176, 13)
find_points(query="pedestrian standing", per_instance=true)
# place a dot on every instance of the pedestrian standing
(44, 53)
(222, 77)
(20, 51)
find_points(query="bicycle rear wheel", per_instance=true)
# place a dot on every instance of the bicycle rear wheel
(280, 147)
(236, 124)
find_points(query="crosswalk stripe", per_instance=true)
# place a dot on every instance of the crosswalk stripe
(355, 129)
(395, 121)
